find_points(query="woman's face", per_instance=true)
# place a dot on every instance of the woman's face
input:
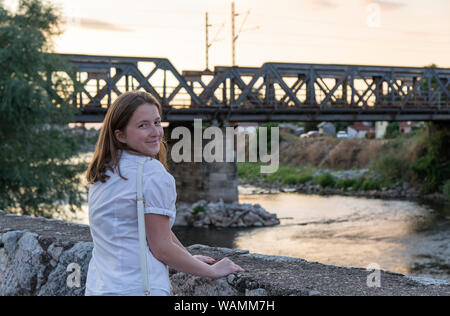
(143, 132)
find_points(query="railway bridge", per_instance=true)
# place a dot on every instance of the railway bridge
(279, 92)
(274, 92)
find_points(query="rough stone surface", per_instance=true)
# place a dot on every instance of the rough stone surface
(220, 214)
(40, 257)
(189, 285)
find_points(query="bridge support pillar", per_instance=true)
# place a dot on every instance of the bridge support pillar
(201, 180)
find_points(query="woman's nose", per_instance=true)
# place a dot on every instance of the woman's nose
(156, 131)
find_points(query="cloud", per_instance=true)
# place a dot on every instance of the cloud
(94, 24)
(387, 5)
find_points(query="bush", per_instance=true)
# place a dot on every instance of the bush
(391, 168)
(345, 183)
(392, 130)
(425, 168)
(370, 184)
(358, 183)
(325, 180)
(296, 179)
(249, 171)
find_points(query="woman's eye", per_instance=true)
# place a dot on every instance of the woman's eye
(157, 122)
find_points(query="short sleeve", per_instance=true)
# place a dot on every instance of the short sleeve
(160, 194)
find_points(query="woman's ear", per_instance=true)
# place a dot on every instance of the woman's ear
(120, 136)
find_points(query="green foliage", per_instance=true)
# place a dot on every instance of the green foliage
(289, 175)
(345, 183)
(36, 175)
(434, 166)
(285, 175)
(420, 157)
(425, 169)
(392, 130)
(249, 171)
(325, 180)
(370, 184)
(269, 135)
(446, 190)
(342, 126)
(391, 168)
(295, 179)
(199, 209)
(358, 184)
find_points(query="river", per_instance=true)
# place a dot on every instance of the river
(411, 238)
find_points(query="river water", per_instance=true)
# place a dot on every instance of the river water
(411, 238)
(400, 236)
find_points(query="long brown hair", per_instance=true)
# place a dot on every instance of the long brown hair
(108, 148)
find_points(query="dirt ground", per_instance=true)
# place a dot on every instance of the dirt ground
(330, 152)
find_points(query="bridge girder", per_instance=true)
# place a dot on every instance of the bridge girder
(274, 92)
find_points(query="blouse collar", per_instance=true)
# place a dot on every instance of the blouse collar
(125, 154)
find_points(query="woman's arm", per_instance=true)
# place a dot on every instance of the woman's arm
(202, 258)
(177, 242)
(163, 247)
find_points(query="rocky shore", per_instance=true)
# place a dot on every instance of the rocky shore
(42, 257)
(220, 214)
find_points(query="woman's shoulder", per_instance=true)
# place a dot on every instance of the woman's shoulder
(154, 166)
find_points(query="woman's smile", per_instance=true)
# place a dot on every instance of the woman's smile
(154, 142)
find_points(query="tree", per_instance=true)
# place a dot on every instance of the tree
(36, 176)
(392, 130)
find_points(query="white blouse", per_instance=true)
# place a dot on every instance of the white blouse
(115, 267)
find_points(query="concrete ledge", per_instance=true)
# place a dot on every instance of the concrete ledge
(40, 257)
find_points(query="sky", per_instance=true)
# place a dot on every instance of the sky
(357, 32)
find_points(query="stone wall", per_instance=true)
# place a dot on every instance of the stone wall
(47, 257)
(202, 181)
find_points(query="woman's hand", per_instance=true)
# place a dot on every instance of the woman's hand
(222, 268)
(204, 259)
(225, 267)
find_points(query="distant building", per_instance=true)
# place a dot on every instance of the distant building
(360, 130)
(327, 128)
(405, 127)
(292, 128)
(380, 129)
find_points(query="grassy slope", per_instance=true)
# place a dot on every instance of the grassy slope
(396, 161)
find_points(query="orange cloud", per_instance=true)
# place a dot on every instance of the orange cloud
(101, 25)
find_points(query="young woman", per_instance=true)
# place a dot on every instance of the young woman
(132, 134)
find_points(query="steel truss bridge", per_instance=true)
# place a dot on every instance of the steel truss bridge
(275, 92)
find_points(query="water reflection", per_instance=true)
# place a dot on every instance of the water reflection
(400, 236)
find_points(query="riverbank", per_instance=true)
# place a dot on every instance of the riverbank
(410, 165)
(364, 182)
(401, 193)
(38, 256)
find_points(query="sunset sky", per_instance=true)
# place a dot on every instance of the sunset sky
(370, 32)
